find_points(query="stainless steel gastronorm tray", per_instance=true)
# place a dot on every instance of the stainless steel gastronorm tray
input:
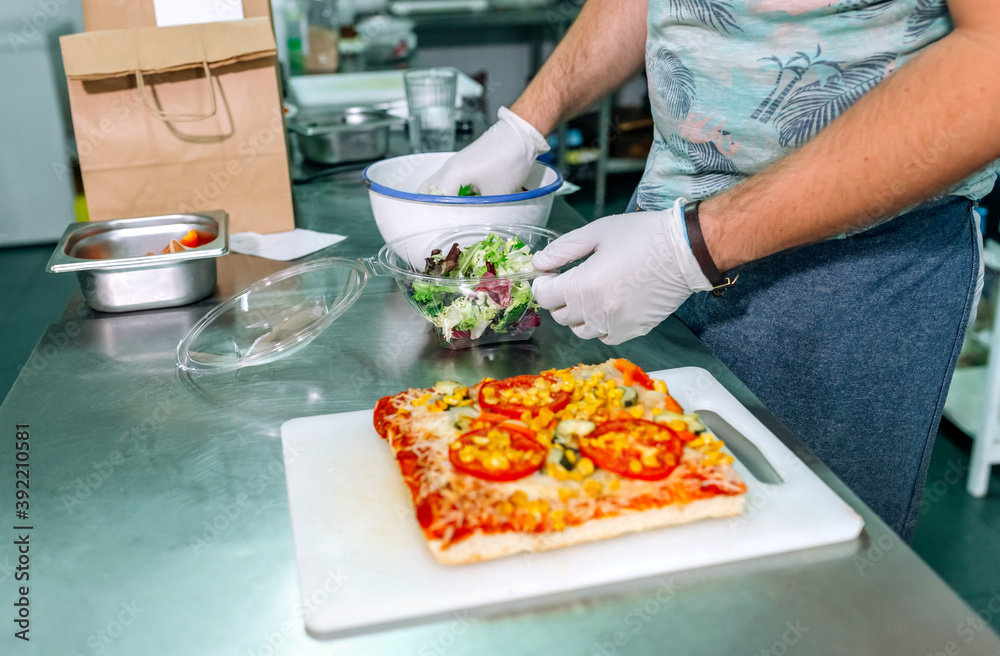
(343, 135)
(116, 274)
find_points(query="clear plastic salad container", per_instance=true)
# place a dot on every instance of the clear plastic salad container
(281, 314)
(482, 296)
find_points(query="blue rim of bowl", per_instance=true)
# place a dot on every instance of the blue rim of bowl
(462, 200)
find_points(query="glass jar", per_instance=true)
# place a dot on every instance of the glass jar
(323, 33)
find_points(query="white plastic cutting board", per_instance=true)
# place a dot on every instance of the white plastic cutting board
(363, 562)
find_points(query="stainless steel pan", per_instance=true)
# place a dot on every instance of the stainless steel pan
(116, 274)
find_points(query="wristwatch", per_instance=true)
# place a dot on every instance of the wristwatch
(719, 281)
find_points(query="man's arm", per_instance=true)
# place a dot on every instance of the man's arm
(933, 122)
(603, 48)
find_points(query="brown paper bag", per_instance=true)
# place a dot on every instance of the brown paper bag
(181, 119)
(125, 14)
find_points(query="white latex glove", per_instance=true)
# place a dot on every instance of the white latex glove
(639, 272)
(496, 163)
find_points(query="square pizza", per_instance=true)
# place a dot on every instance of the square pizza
(539, 462)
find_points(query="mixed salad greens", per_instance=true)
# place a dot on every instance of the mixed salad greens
(490, 303)
(464, 190)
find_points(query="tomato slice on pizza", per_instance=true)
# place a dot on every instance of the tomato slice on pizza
(634, 448)
(512, 397)
(504, 452)
(633, 374)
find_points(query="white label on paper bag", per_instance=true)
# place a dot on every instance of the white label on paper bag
(187, 12)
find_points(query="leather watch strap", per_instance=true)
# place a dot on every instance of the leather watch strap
(720, 282)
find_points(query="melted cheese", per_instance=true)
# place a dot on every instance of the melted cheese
(462, 502)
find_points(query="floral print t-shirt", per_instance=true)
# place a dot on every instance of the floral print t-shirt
(736, 84)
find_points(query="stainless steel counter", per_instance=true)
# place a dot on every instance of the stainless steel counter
(160, 519)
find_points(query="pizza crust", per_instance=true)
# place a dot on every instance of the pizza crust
(488, 546)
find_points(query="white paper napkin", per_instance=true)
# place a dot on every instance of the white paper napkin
(282, 246)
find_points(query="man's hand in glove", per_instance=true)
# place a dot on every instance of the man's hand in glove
(639, 272)
(496, 163)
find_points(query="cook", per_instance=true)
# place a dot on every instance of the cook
(838, 147)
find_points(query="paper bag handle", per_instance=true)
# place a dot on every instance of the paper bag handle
(177, 118)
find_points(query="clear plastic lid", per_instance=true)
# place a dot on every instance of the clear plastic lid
(274, 317)
(277, 316)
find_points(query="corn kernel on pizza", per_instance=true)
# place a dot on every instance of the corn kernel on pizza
(531, 463)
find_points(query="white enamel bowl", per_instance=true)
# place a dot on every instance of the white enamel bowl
(400, 211)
